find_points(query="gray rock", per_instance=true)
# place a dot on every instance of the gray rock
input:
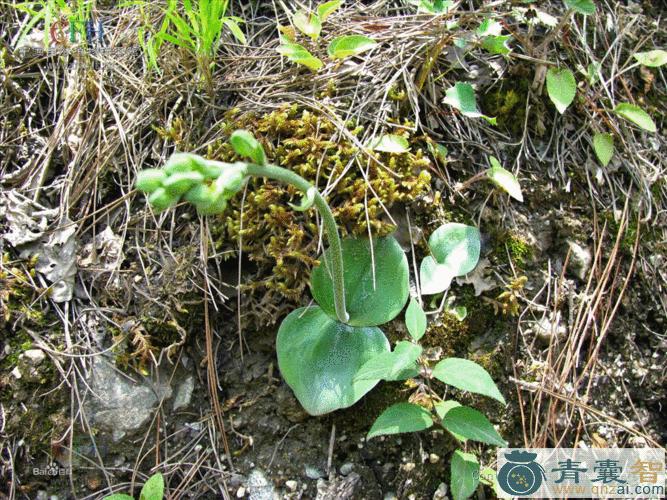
(118, 405)
(34, 356)
(313, 472)
(259, 487)
(441, 492)
(184, 393)
(346, 468)
(580, 260)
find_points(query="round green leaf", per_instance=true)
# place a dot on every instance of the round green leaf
(415, 320)
(369, 302)
(118, 496)
(150, 179)
(471, 424)
(462, 97)
(401, 417)
(636, 115)
(603, 145)
(652, 58)
(433, 277)
(467, 376)
(307, 24)
(464, 475)
(183, 162)
(318, 358)
(561, 87)
(456, 246)
(327, 8)
(504, 179)
(351, 45)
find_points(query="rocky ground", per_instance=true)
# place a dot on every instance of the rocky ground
(128, 348)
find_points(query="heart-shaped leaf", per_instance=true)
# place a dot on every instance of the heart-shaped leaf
(465, 475)
(456, 246)
(636, 115)
(561, 87)
(603, 144)
(300, 55)
(489, 27)
(467, 376)
(376, 287)
(652, 58)
(433, 277)
(504, 179)
(350, 45)
(391, 143)
(396, 365)
(471, 424)
(415, 320)
(401, 417)
(462, 97)
(318, 357)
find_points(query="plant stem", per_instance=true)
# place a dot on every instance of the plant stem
(288, 177)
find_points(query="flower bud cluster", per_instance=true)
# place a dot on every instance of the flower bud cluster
(204, 183)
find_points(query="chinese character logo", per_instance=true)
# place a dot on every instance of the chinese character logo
(521, 475)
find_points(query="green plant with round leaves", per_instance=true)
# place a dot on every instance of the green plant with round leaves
(153, 489)
(358, 285)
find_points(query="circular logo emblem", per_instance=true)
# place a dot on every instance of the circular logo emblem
(521, 475)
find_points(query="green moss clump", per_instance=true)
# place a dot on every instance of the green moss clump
(508, 104)
(280, 244)
(510, 245)
(448, 333)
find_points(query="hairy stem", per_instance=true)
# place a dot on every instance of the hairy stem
(288, 177)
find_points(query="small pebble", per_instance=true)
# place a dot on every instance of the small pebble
(346, 468)
(240, 493)
(291, 485)
(313, 473)
(433, 458)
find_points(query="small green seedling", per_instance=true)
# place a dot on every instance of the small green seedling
(310, 25)
(153, 489)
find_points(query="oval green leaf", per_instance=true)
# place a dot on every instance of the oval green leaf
(464, 475)
(153, 488)
(391, 143)
(471, 424)
(497, 44)
(456, 246)
(442, 408)
(636, 115)
(245, 145)
(351, 45)
(298, 54)
(161, 200)
(415, 320)
(319, 357)
(369, 302)
(584, 7)
(467, 376)
(652, 58)
(603, 145)
(396, 365)
(433, 277)
(561, 87)
(462, 97)
(118, 496)
(399, 418)
(504, 179)
(180, 183)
